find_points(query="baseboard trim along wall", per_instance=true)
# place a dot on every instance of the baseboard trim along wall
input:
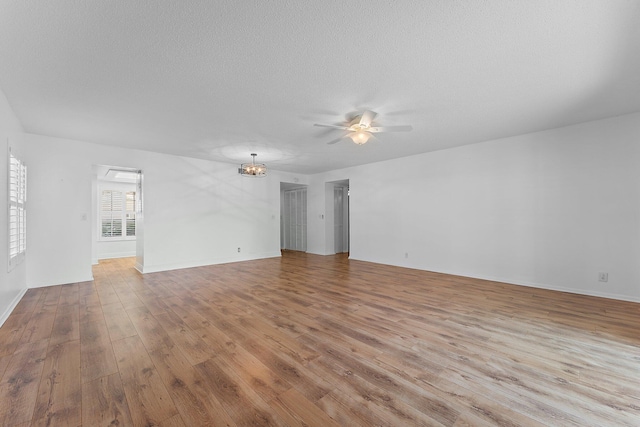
(585, 292)
(117, 255)
(12, 306)
(167, 267)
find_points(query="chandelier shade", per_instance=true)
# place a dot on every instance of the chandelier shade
(253, 169)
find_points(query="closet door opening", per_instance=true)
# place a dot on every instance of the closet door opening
(293, 223)
(341, 219)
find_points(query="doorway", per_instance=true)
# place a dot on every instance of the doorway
(116, 213)
(293, 217)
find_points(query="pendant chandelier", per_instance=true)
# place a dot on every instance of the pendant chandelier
(253, 169)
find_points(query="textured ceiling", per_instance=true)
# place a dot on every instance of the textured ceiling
(221, 79)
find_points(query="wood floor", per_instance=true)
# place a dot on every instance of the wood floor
(309, 340)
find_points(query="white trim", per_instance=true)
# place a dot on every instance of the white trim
(584, 292)
(12, 306)
(167, 267)
(83, 279)
(117, 255)
(117, 239)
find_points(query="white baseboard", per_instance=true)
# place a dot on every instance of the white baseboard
(548, 287)
(12, 306)
(167, 267)
(577, 291)
(117, 255)
(586, 292)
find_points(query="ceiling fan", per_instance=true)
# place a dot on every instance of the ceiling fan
(360, 128)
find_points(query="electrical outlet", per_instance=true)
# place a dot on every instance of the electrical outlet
(406, 254)
(603, 277)
(238, 250)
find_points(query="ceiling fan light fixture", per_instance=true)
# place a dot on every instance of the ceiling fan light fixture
(253, 169)
(360, 137)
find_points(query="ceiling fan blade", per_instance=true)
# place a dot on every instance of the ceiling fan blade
(402, 128)
(332, 126)
(367, 118)
(335, 141)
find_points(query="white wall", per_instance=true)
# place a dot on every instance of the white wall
(196, 212)
(107, 249)
(549, 209)
(13, 284)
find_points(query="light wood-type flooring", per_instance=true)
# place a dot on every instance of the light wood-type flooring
(307, 340)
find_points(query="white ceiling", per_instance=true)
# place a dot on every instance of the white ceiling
(221, 79)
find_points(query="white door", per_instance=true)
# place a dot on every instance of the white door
(295, 219)
(341, 219)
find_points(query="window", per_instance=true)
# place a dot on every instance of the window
(17, 210)
(117, 214)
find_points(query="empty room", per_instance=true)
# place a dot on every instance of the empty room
(288, 213)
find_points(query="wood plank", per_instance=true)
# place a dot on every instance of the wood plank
(348, 411)
(12, 330)
(189, 342)
(189, 316)
(195, 402)
(265, 382)
(69, 295)
(30, 300)
(244, 406)
(104, 403)
(59, 398)
(148, 399)
(288, 369)
(149, 329)
(4, 362)
(295, 409)
(51, 295)
(40, 323)
(128, 297)
(175, 421)
(154, 304)
(383, 403)
(20, 382)
(319, 339)
(66, 325)
(90, 312)
(97, 356)
(107, 294)
(118, 322)
(275, 338)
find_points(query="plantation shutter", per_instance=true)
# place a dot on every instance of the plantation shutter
(111, 213)
(117, 214)
(17, 210)
(130, 207)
